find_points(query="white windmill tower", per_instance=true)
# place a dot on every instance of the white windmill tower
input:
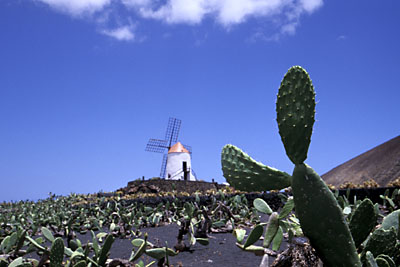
(176, 165)
(179, 165)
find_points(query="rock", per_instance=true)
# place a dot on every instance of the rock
(300, 253)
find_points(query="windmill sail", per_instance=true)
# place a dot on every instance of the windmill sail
(163, 165)
(156, 145)
(172, 132)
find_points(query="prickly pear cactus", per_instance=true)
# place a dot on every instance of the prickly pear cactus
(362, 221)
(370, 260)
(18, 262)
(57, 252)
(272, 229)
(320, 216)
(391, 220)
(381, 241)
(295, 108)
(105, 250)
(389, 261)
(321, 219)
(244, 173)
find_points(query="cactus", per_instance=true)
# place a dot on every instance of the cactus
(57, 252)
(105, 250)
(159, 253)
(262, 206)
(19, 262)
(47, 234)
(321, 219)
(20, 242)
(391, 220)
(142, 248)
(5, 244)
(369, 260)
(319, 213)
(389, 261)
(295, 108)
(362, 221)
(272, 229)
(254, 235)
(36, 244)
(244, 173)
(381, 241)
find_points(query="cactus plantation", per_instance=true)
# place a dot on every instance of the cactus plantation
(305, 224)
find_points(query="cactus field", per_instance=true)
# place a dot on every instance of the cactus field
(219, 227)
(266, 217)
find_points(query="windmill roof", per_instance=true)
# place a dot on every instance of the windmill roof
(178, 148)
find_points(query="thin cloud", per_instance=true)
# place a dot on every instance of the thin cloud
(176, 11)
(310, 5)
(289, 28)
(226, 13)
(124, 33)
(77, 7)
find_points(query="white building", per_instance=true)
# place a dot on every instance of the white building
(178, 160)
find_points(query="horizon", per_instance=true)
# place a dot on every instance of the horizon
(85, 84)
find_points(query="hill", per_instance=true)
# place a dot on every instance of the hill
(381, 163)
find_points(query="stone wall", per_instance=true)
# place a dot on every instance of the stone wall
(164, 185)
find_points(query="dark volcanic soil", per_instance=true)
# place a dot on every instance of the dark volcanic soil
(221, 251)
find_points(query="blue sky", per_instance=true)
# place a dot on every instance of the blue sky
(85, 83)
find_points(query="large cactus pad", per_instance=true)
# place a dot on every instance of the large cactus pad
(295, 107)
(244, 173)
(363, 221)
(321, 219)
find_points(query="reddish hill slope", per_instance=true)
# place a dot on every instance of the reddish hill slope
(381, 163)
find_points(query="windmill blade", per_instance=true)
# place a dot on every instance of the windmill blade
(163, 166)
(194, 174)
(156, 145)
(171, 135)
(189, 148)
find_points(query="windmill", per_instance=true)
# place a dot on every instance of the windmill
(171, 138)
